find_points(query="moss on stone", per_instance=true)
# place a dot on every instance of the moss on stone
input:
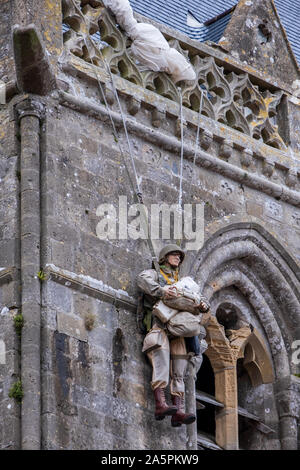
(19, 323)
(42, 276)
(16, 391)
(89, 321)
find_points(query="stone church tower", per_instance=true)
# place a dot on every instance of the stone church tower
(72, 374)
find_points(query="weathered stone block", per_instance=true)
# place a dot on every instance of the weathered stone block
(91, 419)
(62, 253)
(134, 392)
(268, 168)
(9, 252)
(226, 149)
(246, 157)
(71, 326)
(33, 69)
(206, 139)
(133, 105)
(274, 210)
(254, 209)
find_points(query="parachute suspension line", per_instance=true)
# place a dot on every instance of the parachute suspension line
(180, 204)
(197, 142)
(181, 153)
(137, 192)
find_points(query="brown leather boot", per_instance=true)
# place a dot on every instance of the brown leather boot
(181, 417)
(162, 409)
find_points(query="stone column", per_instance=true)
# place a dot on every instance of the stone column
(30, 112)
(223, 353)
(288, 410)
(190, 387)
(190, 405)
(288, 432)
(227, 430)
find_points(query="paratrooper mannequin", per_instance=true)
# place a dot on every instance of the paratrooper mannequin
(168, 355)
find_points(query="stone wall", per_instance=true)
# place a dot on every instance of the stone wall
(6, 58)
(90, 379)
(80, 168)
(9, 268)
(96, 383)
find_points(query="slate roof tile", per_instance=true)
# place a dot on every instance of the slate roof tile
(174, 13)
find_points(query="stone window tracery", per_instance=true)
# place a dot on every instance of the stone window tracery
(230, 98)
(233, 347)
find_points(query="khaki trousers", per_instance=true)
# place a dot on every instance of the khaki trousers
(169, 361)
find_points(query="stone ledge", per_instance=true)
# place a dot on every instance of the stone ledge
(241, 142)
(173, 144)
(92, 287)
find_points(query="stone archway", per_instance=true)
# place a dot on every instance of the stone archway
(224, 349)
(252, 262)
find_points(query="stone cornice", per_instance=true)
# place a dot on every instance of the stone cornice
(212, 130)
(171, 143)
(229, 93)
(91, 287)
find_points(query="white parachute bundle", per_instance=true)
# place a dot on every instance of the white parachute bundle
(181, 314)
(148, 44)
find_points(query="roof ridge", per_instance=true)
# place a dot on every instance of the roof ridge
(285, 35)
(175, 14)
(219, 17)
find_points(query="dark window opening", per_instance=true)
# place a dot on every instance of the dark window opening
(227, 316)
(246, 429)
(206, 383)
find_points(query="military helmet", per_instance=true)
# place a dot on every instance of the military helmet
(169, 249)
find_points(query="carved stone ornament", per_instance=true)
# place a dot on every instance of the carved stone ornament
(246, 157)
(206, 139)
(30, 107)
(292, 178)
(226, 149)
(229, 98)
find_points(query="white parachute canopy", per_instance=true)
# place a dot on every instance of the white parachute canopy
(148, 44)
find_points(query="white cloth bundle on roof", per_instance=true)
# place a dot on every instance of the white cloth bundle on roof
(123, 13)
(148, 44)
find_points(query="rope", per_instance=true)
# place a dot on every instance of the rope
(181, 152)
(115, 132)
(136, 191)
(196, 147)
(197, 136)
